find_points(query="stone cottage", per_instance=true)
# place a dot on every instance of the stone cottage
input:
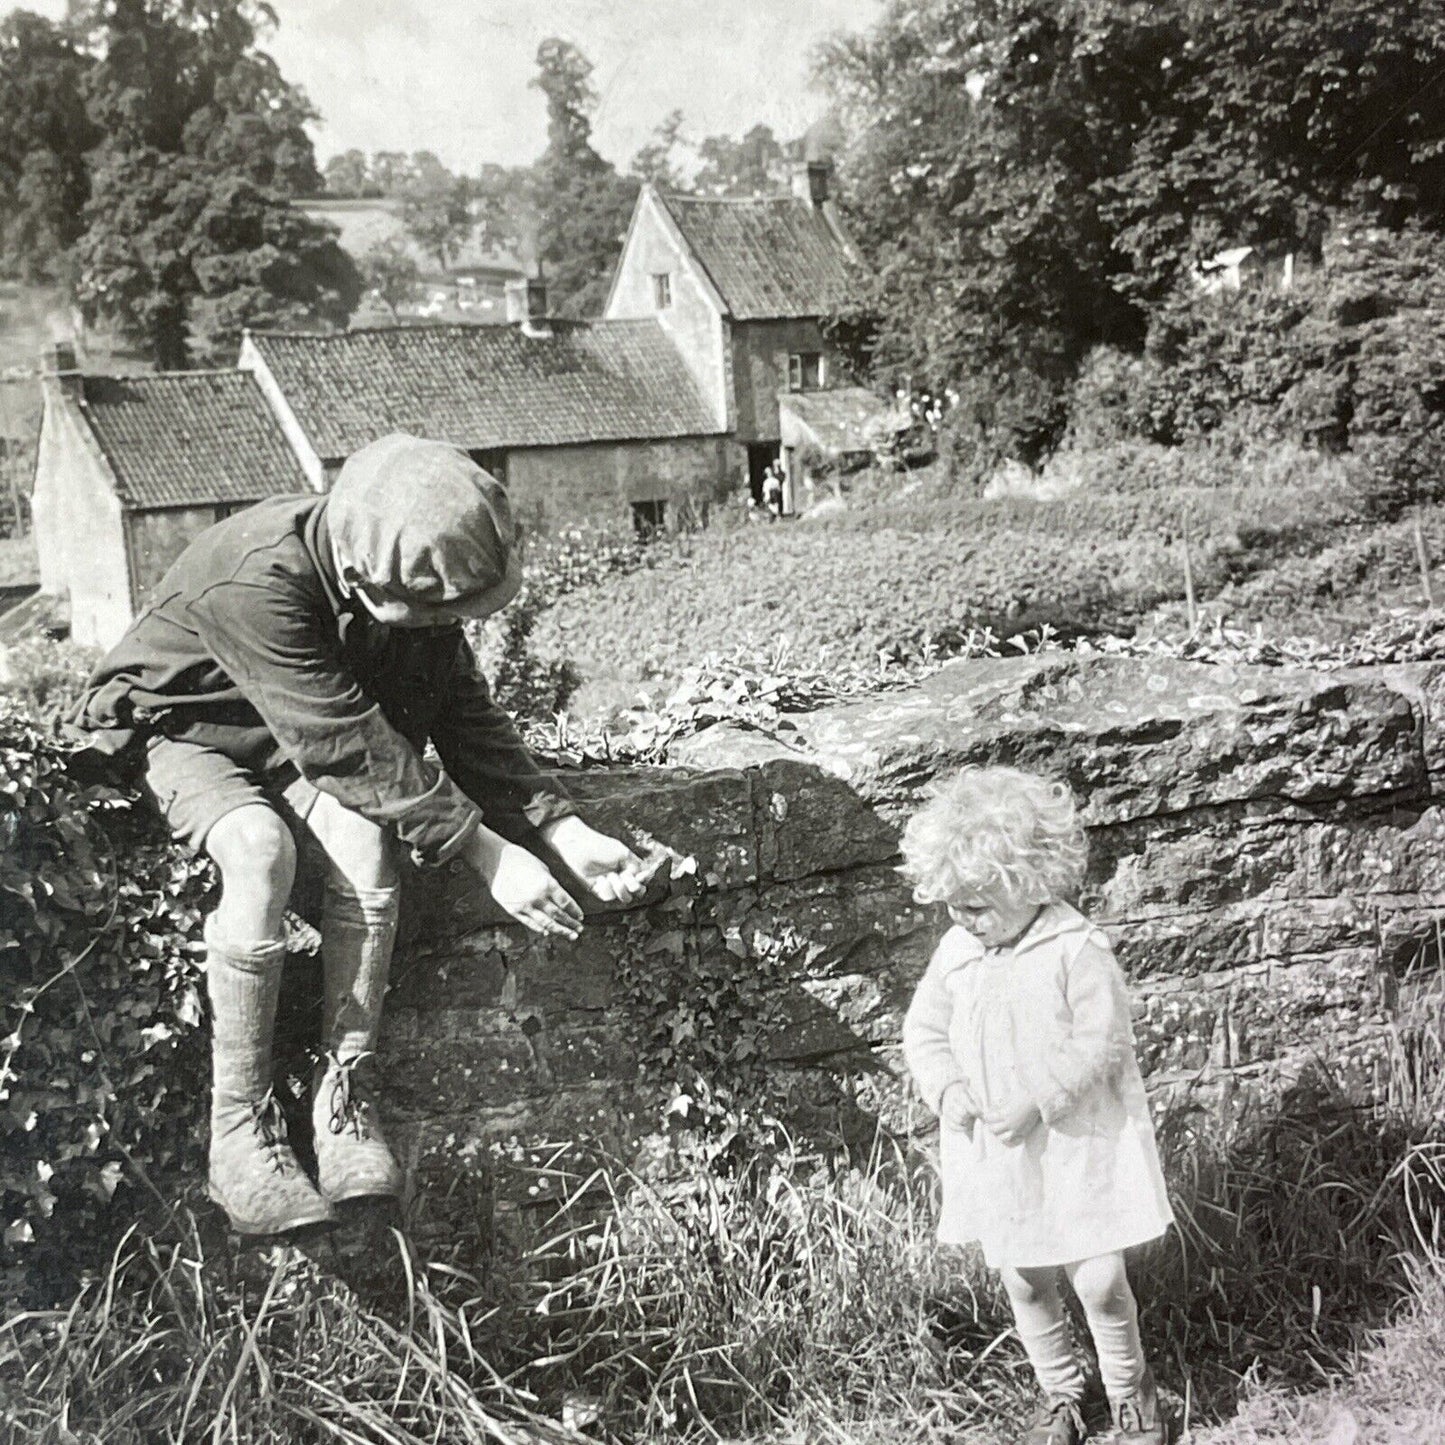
(742, 288)
(130, 469)
(596, 419)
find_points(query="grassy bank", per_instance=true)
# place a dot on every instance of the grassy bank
(795, 1297)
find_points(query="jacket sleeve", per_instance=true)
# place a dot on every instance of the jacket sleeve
(926, 1047)
(1098, 1041)
(482, 751)
(270, 644)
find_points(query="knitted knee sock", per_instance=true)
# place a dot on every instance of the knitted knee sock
(243, 982)
(1113, 1316)
(358, 930)
(1121, 1353)
(1039, 1319)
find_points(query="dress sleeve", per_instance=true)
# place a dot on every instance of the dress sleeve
(1098, 1042)
(270, 645)
(482, 751)
(926, 1046)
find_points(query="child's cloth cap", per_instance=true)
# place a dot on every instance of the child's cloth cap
(420, 520)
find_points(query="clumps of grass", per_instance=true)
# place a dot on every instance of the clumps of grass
(164, 1347)
(773, 1294)
(794, 1294)
(45, 676)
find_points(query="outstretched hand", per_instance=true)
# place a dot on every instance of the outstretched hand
(608, 867)
(523, 885)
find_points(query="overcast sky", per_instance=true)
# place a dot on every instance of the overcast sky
(451, 75)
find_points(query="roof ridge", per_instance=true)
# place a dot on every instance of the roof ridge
(430, 326)
(692, 196)
(165, 375)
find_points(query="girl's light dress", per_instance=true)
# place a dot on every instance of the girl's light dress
(1046, 1018)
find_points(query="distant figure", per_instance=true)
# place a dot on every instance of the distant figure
(1019, 1039)
(773, 491)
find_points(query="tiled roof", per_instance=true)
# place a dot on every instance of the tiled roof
(487, 386)
(848, 419)
(769, 257)
(183, 439)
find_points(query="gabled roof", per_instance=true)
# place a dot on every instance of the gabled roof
(484, 387)
(194, 438)
(772, 256)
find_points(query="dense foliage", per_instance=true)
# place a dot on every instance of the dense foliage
(99, 929)
(150, 151)
(1031, 180)
(906, 575)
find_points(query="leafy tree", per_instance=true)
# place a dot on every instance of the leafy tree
(754, 165)
(348, 174)
(654, 161)
(189, 235)
(390, 171)
(583, 205)
(1030, 179)
(45, 132)
(504, 207)
(434, 208)
(391, 274)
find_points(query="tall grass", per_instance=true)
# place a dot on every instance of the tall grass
(796, 1297)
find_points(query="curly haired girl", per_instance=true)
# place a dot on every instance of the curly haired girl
(1019, 1039)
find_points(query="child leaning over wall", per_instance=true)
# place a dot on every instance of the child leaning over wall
(280, 691)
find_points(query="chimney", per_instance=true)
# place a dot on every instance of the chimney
(60, 363)
(810, 182)
(527, 305)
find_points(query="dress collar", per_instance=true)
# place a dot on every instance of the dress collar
(1054, 920)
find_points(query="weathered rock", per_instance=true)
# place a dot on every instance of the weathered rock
(1266, 855)
(1134, 738)
(806, 819)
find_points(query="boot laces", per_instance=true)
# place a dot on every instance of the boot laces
(348, 1108)
(270, 1125)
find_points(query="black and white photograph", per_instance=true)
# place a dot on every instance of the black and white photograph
(719, 722)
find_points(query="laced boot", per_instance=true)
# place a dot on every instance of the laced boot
(254, 1176)
(353, 1160)
(1058, 1422)
(1138, 1419)
(358, 930)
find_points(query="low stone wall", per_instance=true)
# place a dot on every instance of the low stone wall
(1267, 853)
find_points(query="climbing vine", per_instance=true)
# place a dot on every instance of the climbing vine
(99, 928)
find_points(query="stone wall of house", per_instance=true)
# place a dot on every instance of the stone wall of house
(156, 539)
(693, 320)
(552, 487)
(1268, 854)
(79, 536)
(760, 351)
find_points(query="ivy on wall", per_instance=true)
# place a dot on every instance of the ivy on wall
(99, 988)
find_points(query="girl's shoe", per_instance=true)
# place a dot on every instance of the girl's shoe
(1058, 1422)
(1138, 1419)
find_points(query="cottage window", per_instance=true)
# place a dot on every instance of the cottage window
(805, 371)
(649, 517)
(662, 289)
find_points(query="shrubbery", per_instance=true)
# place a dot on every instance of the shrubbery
(99, 921)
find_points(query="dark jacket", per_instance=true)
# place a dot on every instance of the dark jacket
(250, 648)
